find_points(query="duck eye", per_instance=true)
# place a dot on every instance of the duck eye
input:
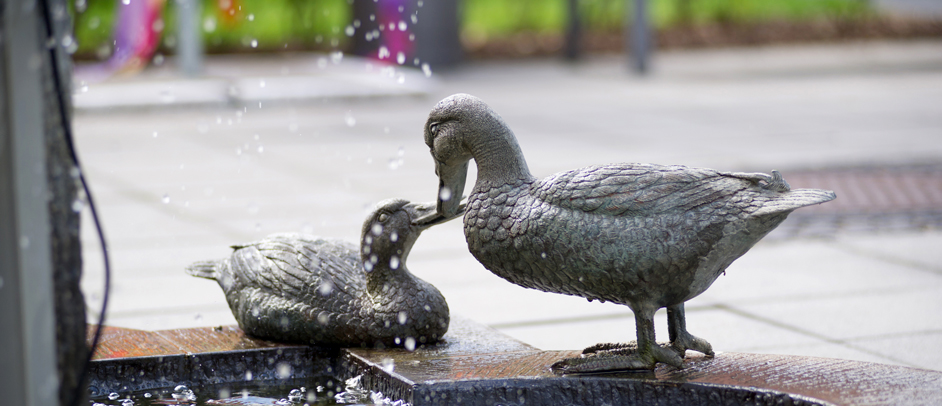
(433, 128)
(383, 217)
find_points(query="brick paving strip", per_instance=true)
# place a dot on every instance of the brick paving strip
(869, 198)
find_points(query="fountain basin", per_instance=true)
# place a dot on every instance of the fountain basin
(476, 365)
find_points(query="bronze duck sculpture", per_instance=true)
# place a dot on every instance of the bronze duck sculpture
(645, 236)
(305, 289)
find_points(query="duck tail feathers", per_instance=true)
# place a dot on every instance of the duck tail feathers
(204, 269)
(794, 199)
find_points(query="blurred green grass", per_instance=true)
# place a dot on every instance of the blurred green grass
(271, 25)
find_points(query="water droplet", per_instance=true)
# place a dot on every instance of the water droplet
(209, 24)
(368, 266)
(403, 26)
(125, 2)
(402, 317)
(445, 194)
(283, 370)
(224, 393)
(401, 58)
(543, 255)
(323, 318)
(203, 128)
(388, 364)
(410, 344)
(238, 151)
(78, 205)
(260, 149)
(165, 199)
(349, 119)
(261, 83)
(383, 52)
(158, 59)
(254, 43)
(294, 396)
(113, 395)
(394, 262)
(336, 57)
(325, 288)
(248, 375)
(377, 229)
(427, 70)
(401, 79)
(251, 17)
(374, 259)
(349, 31)
(127, 402)
(394, 236)
(148, 395)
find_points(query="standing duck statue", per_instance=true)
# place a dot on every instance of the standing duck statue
(645, 236)
(310, 290)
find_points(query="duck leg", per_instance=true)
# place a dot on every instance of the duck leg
(681, 340)
(617, 357)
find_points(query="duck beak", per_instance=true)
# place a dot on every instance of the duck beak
(426, 215)
(451, 180)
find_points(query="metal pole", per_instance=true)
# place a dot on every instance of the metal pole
(573, 31)
(190, 42)
(28, 375)
(640, 39)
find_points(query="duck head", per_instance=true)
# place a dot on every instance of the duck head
(462, 127)
(390, 232)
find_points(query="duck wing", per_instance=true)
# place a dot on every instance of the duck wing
(637, 189)
(298, 266)
(652, 190)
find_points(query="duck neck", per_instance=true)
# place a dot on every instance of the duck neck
(499, 159)
(388, 271)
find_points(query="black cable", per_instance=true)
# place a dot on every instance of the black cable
(67, 128)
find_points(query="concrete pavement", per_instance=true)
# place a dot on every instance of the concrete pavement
(179, 180)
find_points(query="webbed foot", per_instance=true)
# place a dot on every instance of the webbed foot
(686, 341)
(618, 357)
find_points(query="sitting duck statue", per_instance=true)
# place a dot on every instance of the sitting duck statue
(645, 236)
(304, 289)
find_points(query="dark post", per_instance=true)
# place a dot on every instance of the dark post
(42, 310)
(436, 32)
(639, 40)
(573, 31)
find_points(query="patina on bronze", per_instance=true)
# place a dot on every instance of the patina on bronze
(304, 289)
(645, 236)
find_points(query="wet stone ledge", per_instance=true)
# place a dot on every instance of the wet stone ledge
(476, 365)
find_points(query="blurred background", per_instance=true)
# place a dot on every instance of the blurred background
(203, 124)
